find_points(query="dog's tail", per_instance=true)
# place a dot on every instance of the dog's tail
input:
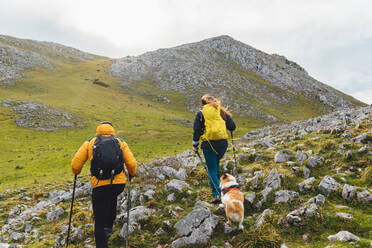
(235, 210)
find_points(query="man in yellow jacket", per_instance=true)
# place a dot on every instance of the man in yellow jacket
(105, 191)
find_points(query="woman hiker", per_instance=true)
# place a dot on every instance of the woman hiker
(210, 126)
(107, 154)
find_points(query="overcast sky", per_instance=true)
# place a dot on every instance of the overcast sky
(331, 39)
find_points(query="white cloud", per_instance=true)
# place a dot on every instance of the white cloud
(313, 33)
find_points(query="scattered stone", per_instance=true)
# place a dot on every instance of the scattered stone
(261, 218)
(328, 185)
(196, 228)
(348, 192)
(250, 197)
(364, 196)
(363, 149)
(344, 215)
(317, 200)
(272, 180)
(229, 228)
(343, 236)
(227, 245)
(54, 215)
(160, 232)
(285, 196)
(306, 185)
(306, 172)
(200, 203)
(305, 236)
(176, 185)
(294, 217)
(137, 215)
(343, 207)
(149, 194)
(281, 157)
(295, 170)
(360, 138)
(315, 161)
(349, 154)
(301, 157)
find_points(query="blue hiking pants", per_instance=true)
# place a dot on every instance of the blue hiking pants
(213, 163)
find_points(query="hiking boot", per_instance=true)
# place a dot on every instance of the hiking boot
(108, 231)
(216, 199)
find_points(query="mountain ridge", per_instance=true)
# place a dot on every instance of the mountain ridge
(222, 62)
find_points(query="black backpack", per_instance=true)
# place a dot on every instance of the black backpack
(107, 159)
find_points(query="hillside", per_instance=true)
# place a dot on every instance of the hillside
(251, 82)
(303, 183)
(45, 86)
(53, 96)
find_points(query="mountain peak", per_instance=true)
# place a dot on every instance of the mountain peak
(250, 81)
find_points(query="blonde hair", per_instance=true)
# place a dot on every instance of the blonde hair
(215, 102)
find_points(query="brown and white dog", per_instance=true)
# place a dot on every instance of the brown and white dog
(233, 199)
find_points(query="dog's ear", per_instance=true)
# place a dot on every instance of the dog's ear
(224, 176)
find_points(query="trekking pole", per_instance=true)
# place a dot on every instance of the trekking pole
(72, 205)
(205, 167)
(128, 209)
(235, 171)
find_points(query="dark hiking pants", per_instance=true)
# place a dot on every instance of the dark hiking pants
(104, 199)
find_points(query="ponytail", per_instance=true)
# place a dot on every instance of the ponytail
(215, 102)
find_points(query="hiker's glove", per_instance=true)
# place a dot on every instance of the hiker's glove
(195, 145)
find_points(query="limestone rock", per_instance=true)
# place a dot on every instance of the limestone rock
(301, 157)
(318, 200)
(306, 185)
(285, 196)
(343, 236)
(348, 192)
(364, 196)
(54, 215)
(306, 172)
(328, 185)
(272, 180)
(281, 157)
(196, 228)
(261, 218)
(250, 197)
(315, 161)
(344, 215)
(176, 185)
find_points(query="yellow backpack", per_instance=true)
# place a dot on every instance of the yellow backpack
(215, 126)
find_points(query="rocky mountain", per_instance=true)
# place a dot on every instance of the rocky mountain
(248, 80)
(307, 184)
(18, 55)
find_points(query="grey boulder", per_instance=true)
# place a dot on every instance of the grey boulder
(176, 185)
(272, 180)
(328, 185)
(315, 161)
(343, 236)
(348, 192)
(196, 228)
(281, 157)
(364, 196)
(285, 196)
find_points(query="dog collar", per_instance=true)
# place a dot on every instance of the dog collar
(225, 190)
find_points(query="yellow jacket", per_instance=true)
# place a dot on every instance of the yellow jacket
(85, 152)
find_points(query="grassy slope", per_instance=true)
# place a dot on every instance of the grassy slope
(272, 234)
(45, 156)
